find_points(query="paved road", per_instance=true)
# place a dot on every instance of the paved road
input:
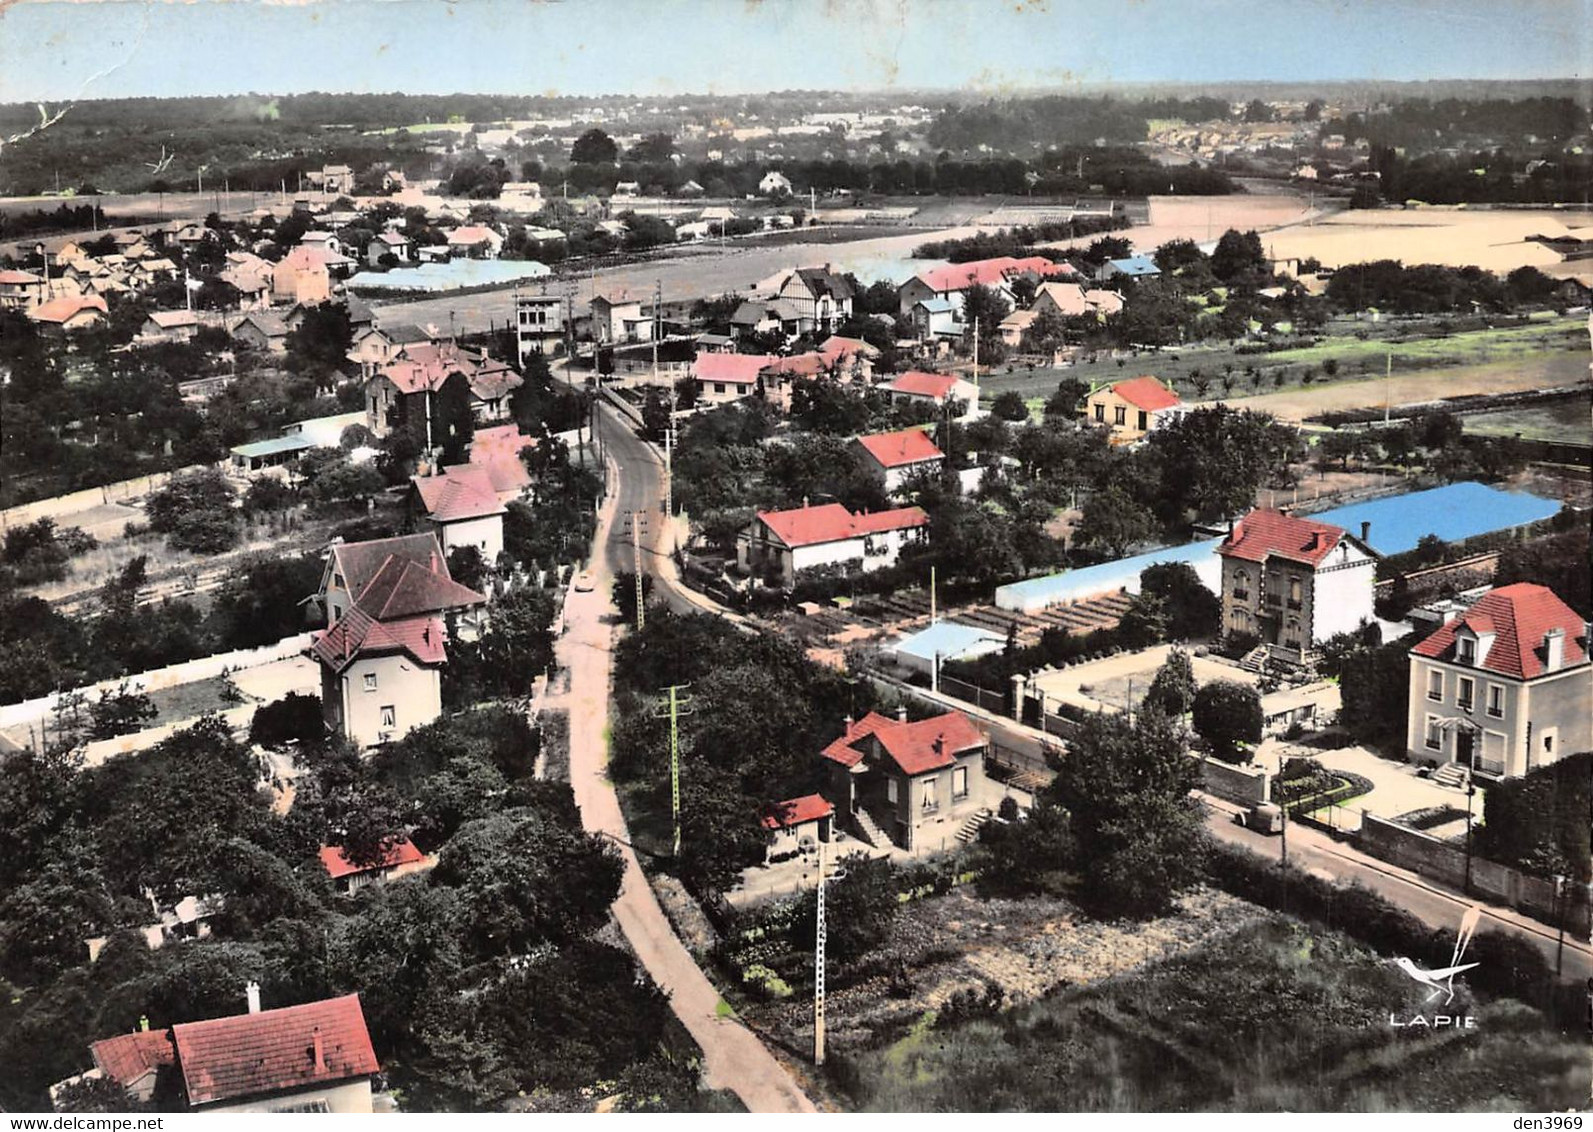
(735, 1058)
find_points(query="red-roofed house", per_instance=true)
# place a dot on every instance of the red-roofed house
(952, 281)
(69, 312)
(475, 241)
(1504, 688)
(897, 455)
(498, 449)
(401, 860)
(849, 358)
(303, 276)
(919, 387)
(463, 508)
(134, 1061)
(729, 377)
(915, 784)
(1132, 408)
(803, 538)
(1293, 583)
(391, 606)
(798, 825)
(20, 290)
(315, 1057)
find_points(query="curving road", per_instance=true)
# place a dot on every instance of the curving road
(735, 1058)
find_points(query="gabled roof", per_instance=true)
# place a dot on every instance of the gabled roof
(358, 634)
(1518, 616)
(462, 492)
(358, 562)
(811, 364)
(916, 748)
(246, 1055)
(338, 865)
(918, 383)
(471, 234)
(899, 449)
(797, 811)
(271, 325)
(127, 1058)
(1067, 297)
(936, 306)
(988, 272)
(831, 522)
(66, 307)
(1146, 393)
(19, 278)
(1262, 533)
(738, 369)
(1135, 265)
(836, 348)
(753, 311)
(820, 281)
(173, 320)
(306, 257)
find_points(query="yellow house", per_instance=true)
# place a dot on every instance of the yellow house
(1131, 409)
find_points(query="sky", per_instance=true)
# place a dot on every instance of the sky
(65, 49)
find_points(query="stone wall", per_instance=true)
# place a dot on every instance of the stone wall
(1245, 785)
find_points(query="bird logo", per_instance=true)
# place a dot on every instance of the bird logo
(1442, 979)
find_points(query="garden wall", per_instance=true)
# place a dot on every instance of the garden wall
(59, 506)
(1245, 785)
(1429, 857)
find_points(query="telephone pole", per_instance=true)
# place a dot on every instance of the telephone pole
(637, 519)
(676, 708)
(820, 936)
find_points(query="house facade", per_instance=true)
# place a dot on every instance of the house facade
(936, 389)
(797, 825)
(1506, 687)
(20, 290)
(908, 784)
(1131, 409)
(619, 318)
(896, 456)
(822, 299)
(399, 861)
(1293, 583)
(462, 509)
(952, 281)
(786, 543)
(538, 324)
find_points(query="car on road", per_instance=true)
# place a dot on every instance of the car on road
(583, 582)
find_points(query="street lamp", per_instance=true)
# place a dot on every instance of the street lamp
(1559, 921)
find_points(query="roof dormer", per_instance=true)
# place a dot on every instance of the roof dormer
(1472, 644)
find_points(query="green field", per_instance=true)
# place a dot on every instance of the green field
(1273, 1017)
(1357, 358)
(1566, 421)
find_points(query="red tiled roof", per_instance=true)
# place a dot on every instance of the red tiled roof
(921, 384)
(498, 451)
(836, 347)
(796, 811)
(898, 449)
(462, 492)
(65, 307)
(916, 748)
(832, 522)
(339, 866)
(358, 634)
(401, 588)
(19, 277)
(987, 272)
(275, 1050)
(1146, 393)
(1264, 532)
(308, 257)
(472, 234)
(358, 562)
(1518, 616)
(737, 369)
(128, 1057)
(811, 364)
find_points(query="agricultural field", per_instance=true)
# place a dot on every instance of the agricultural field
(1272, 1016)
(1545, 353)
(1567, 421)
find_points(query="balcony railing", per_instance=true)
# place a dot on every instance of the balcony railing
(1241, 595)
(1274, 599)
(1296, 605)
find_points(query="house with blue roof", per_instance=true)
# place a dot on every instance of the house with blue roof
(1134, 267)
(936, 318)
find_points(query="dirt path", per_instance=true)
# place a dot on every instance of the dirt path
(1546, 372)
(735, 1058)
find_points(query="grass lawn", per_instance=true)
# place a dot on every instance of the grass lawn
(185, 701)
(1357, 358)
(1273, 1017)
(1564, 421)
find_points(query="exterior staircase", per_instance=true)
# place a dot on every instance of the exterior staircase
(868, 830)
(1255, 660)
(970, 828)
(1450, 774)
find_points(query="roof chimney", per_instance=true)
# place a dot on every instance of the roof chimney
(901, 713)
(252, 992)
(1366, 531)
(1554, 649)
(319, 1048)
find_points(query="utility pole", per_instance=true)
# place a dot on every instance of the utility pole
(932, 595)
(820, 936)
(976, 353)
(658, 326)
(1388, 387)
(676, 704)
(637, 519)
(669, 486)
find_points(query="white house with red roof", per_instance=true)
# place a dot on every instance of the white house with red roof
(462, 507)
(400, 860)
(20, 290)
(797, 825)
(936, 389)
(1293, 583)
(895, 456)
(1132, 409)
(313, 1057)
(391, 607)
(476, 241)
(952, 281)
(69, 312)
(303, 276)
(729, 377)
(912, 785)
(1506, 687)
(805, 538)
